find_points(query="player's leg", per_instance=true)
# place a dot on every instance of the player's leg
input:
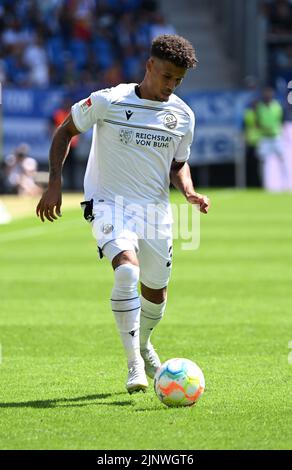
(125, 300)
(125, 304)
(155, 265)
(153, 303)
(119, 247)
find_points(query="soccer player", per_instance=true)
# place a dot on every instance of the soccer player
(141, 141)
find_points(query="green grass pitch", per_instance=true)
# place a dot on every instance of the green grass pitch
(62, 376)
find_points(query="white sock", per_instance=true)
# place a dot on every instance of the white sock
(151, 314)
(125, 304)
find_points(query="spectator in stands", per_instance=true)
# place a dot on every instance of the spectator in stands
(269, 114)
(75, 41)
(252, 136)
(160, 26)
(17, 70)
(15, 35)
(113, 75)
(20, 171)
(35, 58)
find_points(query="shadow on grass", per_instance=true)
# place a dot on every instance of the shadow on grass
(69, 402)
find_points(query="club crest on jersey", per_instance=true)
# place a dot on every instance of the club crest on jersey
(126, 135)
(170, 121)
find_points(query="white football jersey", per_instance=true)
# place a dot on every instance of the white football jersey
(134, 142)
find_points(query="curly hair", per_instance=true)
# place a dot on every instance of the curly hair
(175, 49)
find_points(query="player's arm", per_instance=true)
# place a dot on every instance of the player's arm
(49, 206)
(180, 177)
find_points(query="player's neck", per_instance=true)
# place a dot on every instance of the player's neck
(143, 92)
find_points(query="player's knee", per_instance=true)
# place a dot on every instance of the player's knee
(127, 276)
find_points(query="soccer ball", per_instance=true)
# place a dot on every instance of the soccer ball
(179, 382)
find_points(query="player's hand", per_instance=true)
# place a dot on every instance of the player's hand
(201, 200)
(50, 203)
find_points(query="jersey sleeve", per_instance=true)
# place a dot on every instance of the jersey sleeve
(184, 148)
(91, 110)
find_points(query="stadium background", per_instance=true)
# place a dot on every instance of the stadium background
(56, 50)
(59, 388)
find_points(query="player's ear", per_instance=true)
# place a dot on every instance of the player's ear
(149, 64)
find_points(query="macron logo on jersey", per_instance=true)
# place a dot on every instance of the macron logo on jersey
(86, 105)
(129, 113)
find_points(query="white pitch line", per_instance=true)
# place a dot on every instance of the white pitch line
(34, 231)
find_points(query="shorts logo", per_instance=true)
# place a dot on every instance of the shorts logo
(126, 136)
(170, 121)
(107, 228)
(86, 105)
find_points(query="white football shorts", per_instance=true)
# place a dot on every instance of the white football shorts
(116, 230)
